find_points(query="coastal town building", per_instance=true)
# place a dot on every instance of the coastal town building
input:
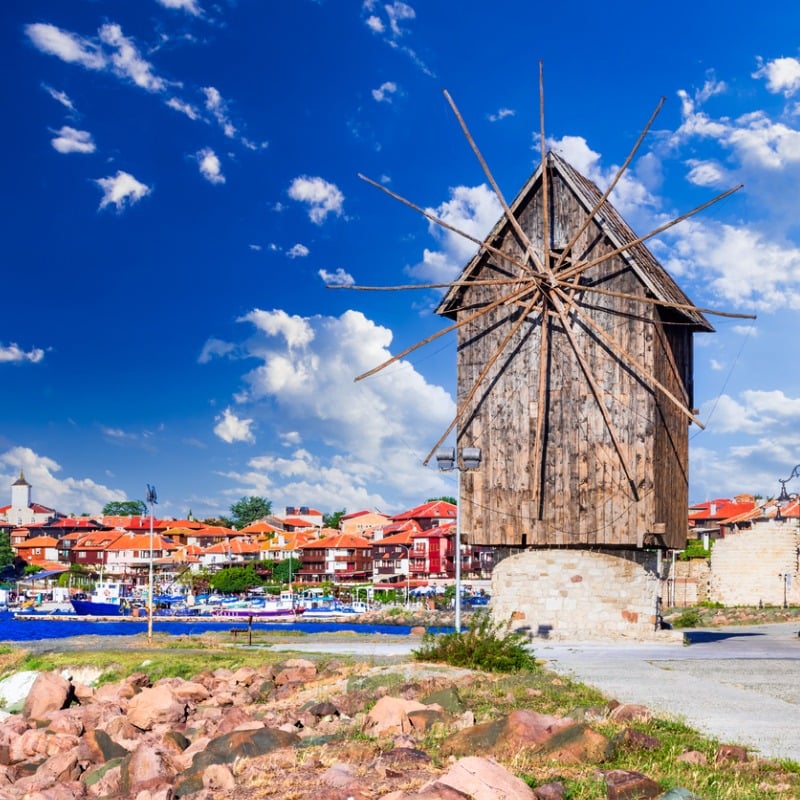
(412, 549)
(22, 511)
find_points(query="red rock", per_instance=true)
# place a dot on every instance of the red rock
(390, 715)
(624, 785)
(731, 752)
(218, 777)
(692, 757)
(484, 779)
(155, 706)
(50, 692)
(631, 712)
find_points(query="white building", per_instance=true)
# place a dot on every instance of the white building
(22, 511)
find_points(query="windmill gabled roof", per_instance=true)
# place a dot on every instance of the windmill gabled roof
(641, 260)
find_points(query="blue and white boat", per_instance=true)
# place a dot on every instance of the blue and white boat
(106, 600)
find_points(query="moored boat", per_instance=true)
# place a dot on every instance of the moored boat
(106, 600)
(285, 606)
(335, 610)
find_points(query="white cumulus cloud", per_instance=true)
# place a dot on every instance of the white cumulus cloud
(189, 6)
(298, 251)
(209, 165)
(70, 140)
(369, 437)
(384, 93)
(231, 428)
(68, 495)
(121, 190)
(471, 209)
(338, 278)
(67, 46)
(12, 353)
(322, 197)
(782, 75)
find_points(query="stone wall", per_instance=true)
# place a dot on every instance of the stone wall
(579, 594)
(687, 583)
(748, 568)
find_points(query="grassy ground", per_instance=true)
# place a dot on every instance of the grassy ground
(712, 616)
(488, 696)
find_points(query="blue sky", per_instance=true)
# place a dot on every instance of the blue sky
(181, 182)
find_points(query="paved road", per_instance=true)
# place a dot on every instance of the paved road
(740, 685)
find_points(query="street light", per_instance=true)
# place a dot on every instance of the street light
(447, 462)
(151, 501)
(408, 570)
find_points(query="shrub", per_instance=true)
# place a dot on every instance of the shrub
(688, 619)
(485, 645)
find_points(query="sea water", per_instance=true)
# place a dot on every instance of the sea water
(26, 630)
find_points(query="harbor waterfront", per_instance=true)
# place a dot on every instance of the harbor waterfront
(33, 627)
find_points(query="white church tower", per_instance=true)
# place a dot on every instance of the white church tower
(20, 493)
(22, 511)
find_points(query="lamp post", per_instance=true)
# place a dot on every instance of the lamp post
(470, 459)
(151, 501)
(407, 548)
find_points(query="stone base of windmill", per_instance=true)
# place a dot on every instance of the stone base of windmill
(580, 595)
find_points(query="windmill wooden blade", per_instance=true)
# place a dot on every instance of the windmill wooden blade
(512, 220)
(654, 301)
(436, 335)
(582, 267)
(620, 172)
(484, 372)
(598, 396)
(639, 368)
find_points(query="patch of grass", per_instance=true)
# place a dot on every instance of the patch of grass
(485, 646)
(688, 619)
(371, 683)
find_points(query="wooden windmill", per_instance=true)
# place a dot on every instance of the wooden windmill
(574, 371)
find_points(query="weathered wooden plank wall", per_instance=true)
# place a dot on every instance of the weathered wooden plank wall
(586, 499)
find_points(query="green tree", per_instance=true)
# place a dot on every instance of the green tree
(445, 499)
(6, 551)
(232, 580)
(250, 509)
(333, 520)
(283, 570)
(126, 508)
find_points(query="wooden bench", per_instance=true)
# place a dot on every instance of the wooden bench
(236, 632)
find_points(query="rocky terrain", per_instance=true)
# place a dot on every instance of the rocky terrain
(332, 730)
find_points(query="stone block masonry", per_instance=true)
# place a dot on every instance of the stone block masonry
(749, 567)
(579, 594)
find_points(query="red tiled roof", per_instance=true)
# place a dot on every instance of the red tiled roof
(140, 541)
(259, 527)
(354, 514)
(236, 546)
(337, 541)
(216, 530)
(410, 525)
(720, 509)
(39, 541)
(436, 509)
(404, 538)
(440, 530)
(75, 522)
(296, 522)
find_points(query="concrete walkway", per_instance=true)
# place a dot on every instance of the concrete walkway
(740, 685)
